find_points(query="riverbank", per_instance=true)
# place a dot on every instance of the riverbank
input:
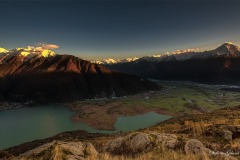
(102, 115)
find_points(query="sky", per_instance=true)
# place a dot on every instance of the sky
(119, 29)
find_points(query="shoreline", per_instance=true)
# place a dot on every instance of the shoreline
(103, 116)
(101, 113)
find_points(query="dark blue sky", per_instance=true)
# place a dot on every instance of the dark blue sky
(100, 29)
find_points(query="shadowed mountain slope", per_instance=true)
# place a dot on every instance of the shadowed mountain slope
(59, 78)
(221, 65)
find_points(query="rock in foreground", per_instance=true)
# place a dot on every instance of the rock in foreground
(140, 142)
(58, 150)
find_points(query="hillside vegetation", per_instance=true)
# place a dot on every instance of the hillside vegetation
(214, 135)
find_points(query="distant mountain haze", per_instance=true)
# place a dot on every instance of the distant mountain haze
(221, 65)
(43, 76)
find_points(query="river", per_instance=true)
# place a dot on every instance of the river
(27, 124)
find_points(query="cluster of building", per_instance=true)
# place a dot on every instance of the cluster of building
(13, 105)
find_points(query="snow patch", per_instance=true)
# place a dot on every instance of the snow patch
(3, 50)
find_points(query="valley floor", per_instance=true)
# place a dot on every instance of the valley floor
(207, 115)
(175, 99)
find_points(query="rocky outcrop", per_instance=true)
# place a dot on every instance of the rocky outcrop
(226, 134)
(166, 140)
(140, 142)
(131, 145)
(57, 150)
(194, 146)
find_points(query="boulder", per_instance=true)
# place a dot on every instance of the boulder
(140, 142)
(194, 146)
(167, 140)
(114, 145)
(227, 134)
(61, 150)
(90, 149)
(132, 143)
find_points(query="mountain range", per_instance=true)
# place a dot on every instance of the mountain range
(221, 65)
(113, 61)
(40, 75)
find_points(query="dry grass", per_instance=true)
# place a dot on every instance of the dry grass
(205, 127)
(4, 155)
(197, 128)
(166, 155)
(235, 144)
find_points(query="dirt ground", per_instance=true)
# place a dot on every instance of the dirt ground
(104, 115)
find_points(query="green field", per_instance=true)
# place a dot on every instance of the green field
(186, 98)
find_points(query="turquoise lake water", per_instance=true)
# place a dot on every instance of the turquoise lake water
(27, 124)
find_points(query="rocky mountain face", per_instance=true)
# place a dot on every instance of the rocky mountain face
(221, 65)
(43, 76)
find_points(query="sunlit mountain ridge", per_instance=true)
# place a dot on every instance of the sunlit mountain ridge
(227, 48)
(220, 65)
(26, 53)
(38, 74)
(112, 61)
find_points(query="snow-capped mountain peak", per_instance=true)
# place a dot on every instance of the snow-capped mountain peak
(47, 53)
(227, 49)
(113, 61)
(3, 50)
(25, 53)
(105, 61)
(32, 51)
(229, 46)
(157, 55)
(110, 60)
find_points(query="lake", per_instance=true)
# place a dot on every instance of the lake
(27, 124)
